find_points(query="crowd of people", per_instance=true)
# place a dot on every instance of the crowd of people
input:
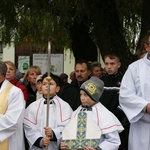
(100, 109)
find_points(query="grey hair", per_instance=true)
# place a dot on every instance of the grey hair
(3, 68)
(95, 64)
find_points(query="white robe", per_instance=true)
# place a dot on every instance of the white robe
(108, 123)
(11, 123)
(134, 96)
(35, 121)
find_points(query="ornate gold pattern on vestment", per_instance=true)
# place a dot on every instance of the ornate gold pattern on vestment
(80, 142)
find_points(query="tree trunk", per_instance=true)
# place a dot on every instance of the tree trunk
(109, 32)
(145, 21)
(82, 45)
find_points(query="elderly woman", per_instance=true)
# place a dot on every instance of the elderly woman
(96, 69)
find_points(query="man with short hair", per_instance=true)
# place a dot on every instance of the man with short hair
(71, 93)
(11, 113)
(110, 97)
(112, 79)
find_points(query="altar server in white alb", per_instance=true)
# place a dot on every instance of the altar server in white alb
(11, 114)
(108, 124)
(36, 132)
(135, 100)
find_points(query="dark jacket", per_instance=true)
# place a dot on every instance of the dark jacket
(71, 94)
(31, 95)
(110, 98)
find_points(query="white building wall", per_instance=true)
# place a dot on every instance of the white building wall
(69, 62)
(9, 53)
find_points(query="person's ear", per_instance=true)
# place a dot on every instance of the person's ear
(146, 46)
(119, 64)
(57, 89)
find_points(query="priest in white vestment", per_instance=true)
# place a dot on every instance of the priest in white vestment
(135, 102)
(11, 114)
(35, 117)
